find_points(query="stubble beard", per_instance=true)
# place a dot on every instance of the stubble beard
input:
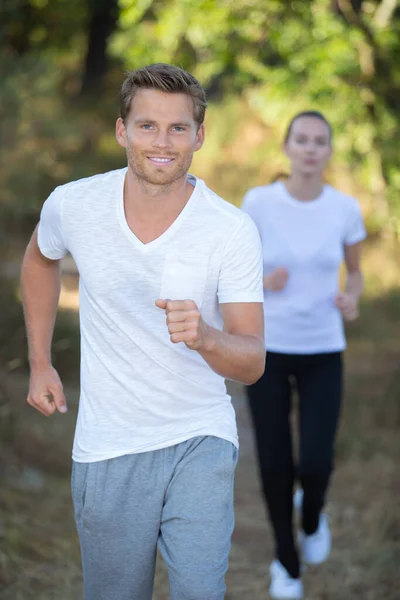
(158, 181)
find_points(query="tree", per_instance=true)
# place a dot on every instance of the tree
(102, 19)
(342, 56)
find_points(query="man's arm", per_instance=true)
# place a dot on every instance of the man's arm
(40, 287)
(237, 353)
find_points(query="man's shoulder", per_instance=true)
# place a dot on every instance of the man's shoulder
(97, 183)
(225, 211)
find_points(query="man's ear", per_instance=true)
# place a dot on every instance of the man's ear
(200, 135)
(120, 132)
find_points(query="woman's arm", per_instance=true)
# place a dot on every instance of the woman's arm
(276, 280)
(347, 302)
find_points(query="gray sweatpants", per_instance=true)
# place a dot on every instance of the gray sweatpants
(180, 498)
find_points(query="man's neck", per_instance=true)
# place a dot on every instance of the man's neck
(150, 202)
(150, 209)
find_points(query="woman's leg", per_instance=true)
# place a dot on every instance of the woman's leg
(270, 402)
(319, 381)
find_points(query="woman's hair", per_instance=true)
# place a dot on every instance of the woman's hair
(164, 78)
(307, 113)
(281, 175)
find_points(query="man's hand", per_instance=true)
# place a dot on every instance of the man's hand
(348, 306)
(276, 280)
(46, 391)
(185, 324)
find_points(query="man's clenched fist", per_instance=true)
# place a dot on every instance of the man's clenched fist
(185, 323)
(46, 391)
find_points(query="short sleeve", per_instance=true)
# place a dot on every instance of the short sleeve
(354, 227)
(247, 205)
(51, 239)
(241, 274)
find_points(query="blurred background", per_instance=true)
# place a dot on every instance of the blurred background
(61, 65)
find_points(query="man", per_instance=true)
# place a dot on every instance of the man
(170, 305)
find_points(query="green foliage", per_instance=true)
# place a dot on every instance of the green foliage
(30, 26)
(261, 63)
(285, 57)
(49, 138)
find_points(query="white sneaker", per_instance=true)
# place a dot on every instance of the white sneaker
(284, 587)
(298, 500)
(315, 548)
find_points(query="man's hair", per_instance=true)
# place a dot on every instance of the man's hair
(308, 113)
(164, 78)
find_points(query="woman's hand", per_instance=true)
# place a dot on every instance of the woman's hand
(276, 280)
(348, 306)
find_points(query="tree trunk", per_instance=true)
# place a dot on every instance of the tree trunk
(102, 19)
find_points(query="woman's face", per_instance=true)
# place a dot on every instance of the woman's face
(308, 146)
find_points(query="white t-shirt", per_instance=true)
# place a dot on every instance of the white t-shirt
(139, 391)
(307, 238)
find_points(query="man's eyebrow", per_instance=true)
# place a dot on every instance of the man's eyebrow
(137, 121)
(181, 124)
(151, 122)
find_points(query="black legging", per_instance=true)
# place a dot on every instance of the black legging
(318, 379)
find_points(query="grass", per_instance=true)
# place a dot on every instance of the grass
(39, 550)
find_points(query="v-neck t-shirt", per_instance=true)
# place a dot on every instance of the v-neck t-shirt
(139, 391)
(308, 239)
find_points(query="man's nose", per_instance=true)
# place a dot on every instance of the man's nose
(162, 140)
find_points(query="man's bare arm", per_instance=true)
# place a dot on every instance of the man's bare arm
(40, 287)
(237, 353)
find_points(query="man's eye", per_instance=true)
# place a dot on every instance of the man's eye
(178, 128)
(147, 126)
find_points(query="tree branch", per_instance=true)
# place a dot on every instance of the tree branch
(384, 12)
(355, 18)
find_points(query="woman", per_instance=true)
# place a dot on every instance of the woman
(307, 228)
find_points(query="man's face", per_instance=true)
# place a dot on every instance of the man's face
(160, 136)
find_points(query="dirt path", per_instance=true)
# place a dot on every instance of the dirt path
(39, 552)
(38, 529)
